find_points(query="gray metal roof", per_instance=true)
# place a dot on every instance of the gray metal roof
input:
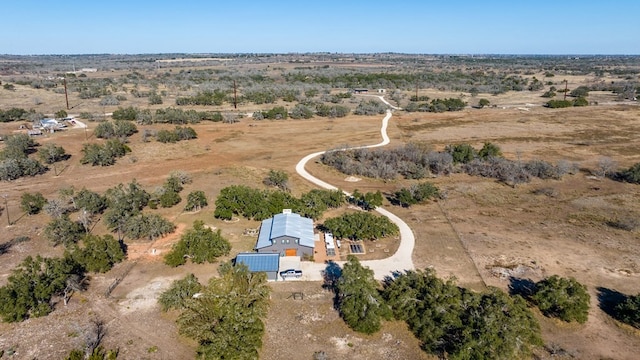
(286, 224)
(259, 262)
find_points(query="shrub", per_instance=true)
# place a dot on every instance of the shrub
(179, 292)
(628, 311)
(461, 153)
(277, 178)
(554, 104)
(489, 150)
(169, 199)
(580, 101)
(32, 203)
(564, 298)
(630, 175)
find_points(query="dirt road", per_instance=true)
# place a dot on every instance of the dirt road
(399, 261)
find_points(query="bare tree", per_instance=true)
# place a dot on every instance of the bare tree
(55, 208)
(606, 166)
(94, 335)
(74, 283)
(86, 219)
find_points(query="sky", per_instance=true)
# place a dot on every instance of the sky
(544, 27)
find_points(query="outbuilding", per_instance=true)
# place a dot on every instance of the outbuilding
(256, 262)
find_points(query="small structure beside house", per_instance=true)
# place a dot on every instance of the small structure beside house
(256, 262)
(286, 234)
(382, 91)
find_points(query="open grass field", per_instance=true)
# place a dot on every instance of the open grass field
(482, 233)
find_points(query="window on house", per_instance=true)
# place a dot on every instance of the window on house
(287, 241)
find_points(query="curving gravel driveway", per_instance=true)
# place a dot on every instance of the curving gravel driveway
(399, 261)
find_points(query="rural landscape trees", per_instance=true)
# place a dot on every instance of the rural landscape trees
(484, 137)
(226, 318)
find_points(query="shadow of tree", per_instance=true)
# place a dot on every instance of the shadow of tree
(523, 287)
(608, 299)
(331, 274)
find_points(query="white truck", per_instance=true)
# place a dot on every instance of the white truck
(291, 273)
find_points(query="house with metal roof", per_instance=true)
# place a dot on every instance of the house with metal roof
(286, 234)
(268, 263)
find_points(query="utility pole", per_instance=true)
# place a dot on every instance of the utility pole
(566, 84)
(66, 96)
(6, 208)
(235, 95)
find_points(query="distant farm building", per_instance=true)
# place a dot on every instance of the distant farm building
(255, 262)
(382, 91)
(360, 91)
(286, 234)
(50, 125)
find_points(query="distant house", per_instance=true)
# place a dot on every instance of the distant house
(382, 91)
(286, 234)
(360, 91)
(268, 263)
(49, 125)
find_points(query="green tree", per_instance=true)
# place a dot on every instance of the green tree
(456, 323)
(483, 102)
(367, 201)
(51, 153)
(32, 203)
(31, 286)
(196, 200)
(103, 155)
(359, 301)
(152, 226)
(200, 244)
(180, 291)
(99, 253)
(580, 91)
(227, 319)
(90, 201)
(564, 298)
(63, 231)
(17, 146)
(60, 114)
(360, 226)
(169, 199)
(124, 203)
(129, 113)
